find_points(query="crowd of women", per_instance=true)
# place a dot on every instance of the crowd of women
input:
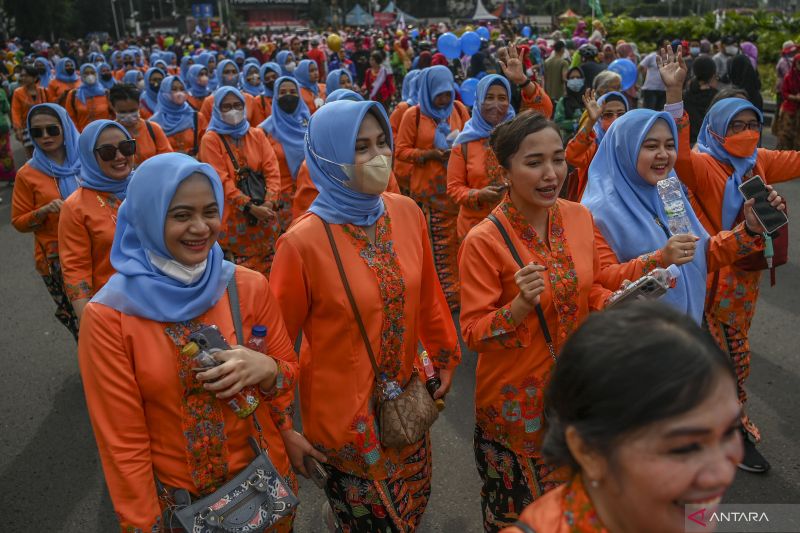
(252, 197)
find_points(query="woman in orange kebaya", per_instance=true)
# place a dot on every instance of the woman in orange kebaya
(600, 113)
(42, 185)
(250, 227)
(403, 169)
(196, 82)
(89, 102)
(642, 409)
(312, 92)
(517, 346)
(149, 99)
(269, 72)
(286, 130)
(89, 215)
(154, 413)
(183, 125)
(65, 80)
(385, 252)
(228, 76)
(426, 134)
(150, 138)
(27, 95)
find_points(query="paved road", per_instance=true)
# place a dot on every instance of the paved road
(51, 476)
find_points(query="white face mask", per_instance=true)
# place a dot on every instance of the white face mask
(731, 50)
(371, 177)
(128, 119)
(233, 117)
(140, 85)
(290, 66)
(178, 97)
(90, 79)
(178, 271)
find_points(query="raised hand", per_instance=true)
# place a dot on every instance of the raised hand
(512, 66)
(591, 105)
(672, 67)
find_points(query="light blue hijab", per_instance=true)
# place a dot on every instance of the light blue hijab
(91, 175)
(171, 117)
(139, 288)
(191, 82)
(333, 81)
(598, 128)
(410, 86)
(66, 174)
(343, 94)
(304, 78)
(204, 59)
(432, 82)
(281, 59)
(289, 130)
(477, 127)
(61, 70)
(255, 90)
(85, 90)
(131, 77)
(106, 84)
(185, 68)
(274, 67)
(717, 120)
(44, 79)
(149, 96)
(332, 134)
(221, 79)
(220, 126)
(624, 207)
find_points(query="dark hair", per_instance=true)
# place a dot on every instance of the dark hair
(559, 46)
(378, 56)
(506, 138)
(624, 369)
(729, 92)
(123, 91)
(31, 71)
(616, 98)
(43, 111)
(704, 69)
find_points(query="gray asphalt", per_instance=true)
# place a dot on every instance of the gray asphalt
(50, 474)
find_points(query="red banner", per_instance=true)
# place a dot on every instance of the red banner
(384, 19)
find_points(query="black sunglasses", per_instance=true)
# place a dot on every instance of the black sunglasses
(52, 130)
(108, 152)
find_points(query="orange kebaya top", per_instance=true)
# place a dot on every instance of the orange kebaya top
(149, 144)
(85, 234)
(183, 141)
(580, 152)
(309, 97)
(514, 362)
(140, 392)
(33, 190)
(262, 109)
(95, 108)
(22, 102)
(416, 135)
(307, 192)
(397, 117)
(57, 90)
(401, 302)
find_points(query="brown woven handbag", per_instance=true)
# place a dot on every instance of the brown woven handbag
(403, 420)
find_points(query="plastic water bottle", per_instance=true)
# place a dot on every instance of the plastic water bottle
(432, 381)
(671, 193)
(666, 276)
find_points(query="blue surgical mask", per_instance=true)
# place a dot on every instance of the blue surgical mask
(694, 50)
(575, 84)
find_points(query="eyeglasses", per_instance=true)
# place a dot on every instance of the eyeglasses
(108, 152)
(738, 126)
(238, 106)
(611, 115)
(52, 130)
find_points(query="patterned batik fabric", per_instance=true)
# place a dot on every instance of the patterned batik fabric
(395, 504)
(579, 511)
(510, 482)
(64, 311)
(284, 209)
(443, 227)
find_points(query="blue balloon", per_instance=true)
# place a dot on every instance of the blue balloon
(469, 87)
(470, 43)
(626, 69)
(483, 32)
(449, 45)
(526, 31)
(414, 33)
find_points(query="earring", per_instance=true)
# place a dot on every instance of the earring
(594, 483)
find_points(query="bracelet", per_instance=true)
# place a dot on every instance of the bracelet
(523, 85)
(749, 231)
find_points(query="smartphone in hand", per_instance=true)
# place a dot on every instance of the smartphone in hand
(316, 471)
(770, 217)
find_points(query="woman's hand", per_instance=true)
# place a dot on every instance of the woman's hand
(446, 377)
(750, 218)
(680, 249)
(672, 67)
(297, 447)
(491, 194)
(531, 283)
(53, 206)
(240, 368)
(511, 65)
(592, 107)
(262, 213)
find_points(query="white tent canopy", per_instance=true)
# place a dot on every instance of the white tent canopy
(481, 13)
(391, 8)
(358, 17)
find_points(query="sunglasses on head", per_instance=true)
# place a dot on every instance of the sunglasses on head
(108, 152)
(52, 130)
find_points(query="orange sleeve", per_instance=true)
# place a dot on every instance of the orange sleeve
(305, 194)
(689, 166)
(72, 109)
(259, 114)
(25, 215)
(598, 295)
(539, 101)
(406, 145)
(269, 167)
(457, 188)
(52, 91)
(612, 273)
(213, 152)
(290, 284)
(579, 148)
(779, 165)
(436, 329)
(208, 105)
(75, 251)
(727, 247)
(393, 185)
(162, 143)
(116, 409)
(17, 109)
(396, 117)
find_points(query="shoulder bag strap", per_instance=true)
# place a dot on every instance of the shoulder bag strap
(233, 299)
(464, 152)
(150, 131)
(352, 300)
(539, 311)
(196, 133)
(419, 112)
(230, 153)
(72, 96)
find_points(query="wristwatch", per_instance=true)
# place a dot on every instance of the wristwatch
(246, 208)
(525, 84)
